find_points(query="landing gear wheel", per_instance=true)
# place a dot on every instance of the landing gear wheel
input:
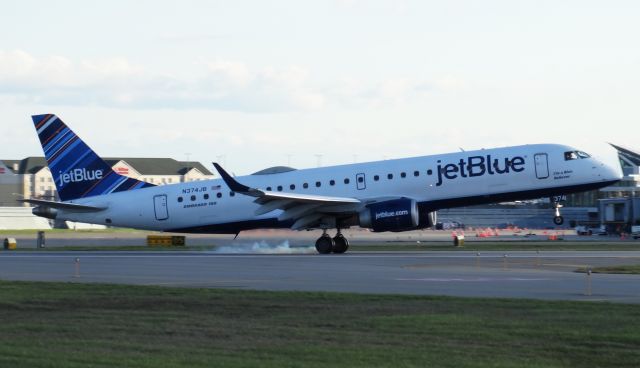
(341, 244)
(324, 244)
(558, 220)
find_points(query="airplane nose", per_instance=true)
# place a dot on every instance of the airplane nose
(610, 172)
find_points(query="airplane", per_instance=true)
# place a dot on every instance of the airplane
(392, 195)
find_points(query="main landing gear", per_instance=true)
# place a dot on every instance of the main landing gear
(557, 205)
(326, 244)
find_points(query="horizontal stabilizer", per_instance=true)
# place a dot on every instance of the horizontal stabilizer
(63, 205)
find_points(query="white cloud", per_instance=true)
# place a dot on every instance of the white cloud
(217, 85)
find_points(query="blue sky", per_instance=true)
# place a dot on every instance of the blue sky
(257, 83)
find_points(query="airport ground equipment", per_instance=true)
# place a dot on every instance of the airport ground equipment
(10, 244)
(166, 241)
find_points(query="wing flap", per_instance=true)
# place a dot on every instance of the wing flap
(264, 197)
(304, 198)
(304, 209)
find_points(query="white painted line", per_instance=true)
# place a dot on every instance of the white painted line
(473, 279)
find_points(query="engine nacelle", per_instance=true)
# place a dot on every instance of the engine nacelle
(395, 215)
(429, 221)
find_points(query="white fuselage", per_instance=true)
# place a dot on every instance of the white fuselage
(437, 181)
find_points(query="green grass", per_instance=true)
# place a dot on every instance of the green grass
(103, 248)
(622, 269)
(90, 325)
(393, 246)
(525, 245)
(71, 231)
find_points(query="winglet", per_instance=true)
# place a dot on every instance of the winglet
(234, 185)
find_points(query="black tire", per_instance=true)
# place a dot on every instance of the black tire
(324, 244)
(340, 244)
(558, 220)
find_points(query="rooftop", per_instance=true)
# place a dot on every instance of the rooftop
(145, 166)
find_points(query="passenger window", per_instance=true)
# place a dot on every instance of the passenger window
(232, 194)
(416, 173)
(389, 176)
(206, 196)
(360, 179)
(403, 175)
(292, 187)
(180, 199)
(376, 177)
(429, 172)
(268, 189)
(219, 195)
(305, 185)
(318, 184)
(346, 181)
(193, 198)
(279, 188)
(332, 182)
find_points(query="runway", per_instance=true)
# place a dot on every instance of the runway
(544, 275)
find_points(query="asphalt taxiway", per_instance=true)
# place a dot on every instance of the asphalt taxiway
(543, 275)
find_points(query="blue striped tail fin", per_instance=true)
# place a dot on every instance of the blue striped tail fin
(78, 172)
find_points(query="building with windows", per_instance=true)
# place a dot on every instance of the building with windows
(619, 206)
(31, 178)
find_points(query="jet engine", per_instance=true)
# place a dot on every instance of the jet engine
(394, 215)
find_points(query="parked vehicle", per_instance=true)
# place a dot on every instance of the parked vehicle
(448, 225)
(635, 232)
(591, 230)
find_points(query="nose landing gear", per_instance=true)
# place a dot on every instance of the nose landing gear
(557, 219)
(557, 205)
(326, 244)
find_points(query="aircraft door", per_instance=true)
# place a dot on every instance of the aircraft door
(361, 181)
(542, 165)
(160, 207)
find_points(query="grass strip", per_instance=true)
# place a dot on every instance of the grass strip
(120, 248)
(526, 245)
(81, 325)
(475, 246)
(622, 269)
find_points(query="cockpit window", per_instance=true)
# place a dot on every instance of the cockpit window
(574, 155)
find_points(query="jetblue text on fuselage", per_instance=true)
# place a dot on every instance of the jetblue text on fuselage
(478, 166)
(77, 175)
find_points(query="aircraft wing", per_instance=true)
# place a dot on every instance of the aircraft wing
(305, 209)
(62, 205)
